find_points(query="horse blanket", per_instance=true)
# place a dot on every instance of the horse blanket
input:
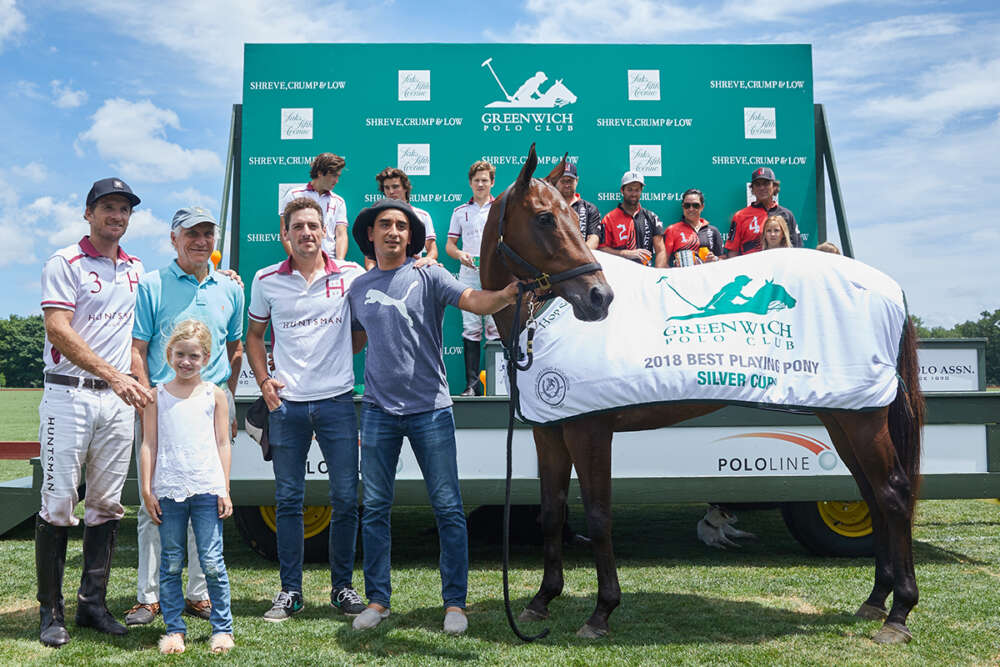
(789, 328)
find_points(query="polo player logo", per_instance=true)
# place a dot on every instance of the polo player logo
(529, 94)
(381, 298)
(731, 300)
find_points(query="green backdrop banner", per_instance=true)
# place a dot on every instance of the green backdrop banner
(683, 116)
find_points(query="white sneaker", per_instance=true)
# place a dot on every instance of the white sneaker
(369, 618)
(455, 622)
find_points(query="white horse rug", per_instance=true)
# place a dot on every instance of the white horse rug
(792, 328)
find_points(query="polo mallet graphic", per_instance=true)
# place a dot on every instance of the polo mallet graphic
(486, 63)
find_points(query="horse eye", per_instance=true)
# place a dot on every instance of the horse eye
(546, 218)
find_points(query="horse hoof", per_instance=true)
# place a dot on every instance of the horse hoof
(590, 632)
(892, 633)
(871, 612)
(529, 615)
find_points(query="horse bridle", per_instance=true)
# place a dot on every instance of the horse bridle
(539, 279)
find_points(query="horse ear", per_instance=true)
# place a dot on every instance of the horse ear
(524, 178)
(557, 171)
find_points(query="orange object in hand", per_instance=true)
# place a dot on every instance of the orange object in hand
(703, 253)
(216, 258)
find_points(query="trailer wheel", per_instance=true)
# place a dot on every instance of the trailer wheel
(831, 527)
(258, 528)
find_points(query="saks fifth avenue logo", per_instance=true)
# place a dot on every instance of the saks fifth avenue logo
(296, 124)
(529, 95)
(414, 85)
(645, 159)
(414, 159)
(759, 123)
(643, 84)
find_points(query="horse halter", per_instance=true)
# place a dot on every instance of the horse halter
(539, 279)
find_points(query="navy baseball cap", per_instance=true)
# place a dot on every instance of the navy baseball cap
(111, 186)
(765, 173)
(189, 217)
(570, 170)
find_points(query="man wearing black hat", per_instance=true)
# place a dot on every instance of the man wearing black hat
(587, 214)
(88, 407)
(748, 223)
(304, 300)
(398, 309)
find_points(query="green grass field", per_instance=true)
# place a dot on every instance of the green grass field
(683, 603)
(18, 421)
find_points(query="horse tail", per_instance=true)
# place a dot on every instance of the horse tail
(906, 413)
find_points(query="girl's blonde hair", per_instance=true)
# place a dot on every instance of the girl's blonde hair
(191, 330)
(780, 221)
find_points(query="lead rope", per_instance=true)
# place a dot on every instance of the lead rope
(513, 353)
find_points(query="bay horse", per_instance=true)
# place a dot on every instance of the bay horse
(531, 231)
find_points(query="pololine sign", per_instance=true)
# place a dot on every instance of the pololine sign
(683, 116)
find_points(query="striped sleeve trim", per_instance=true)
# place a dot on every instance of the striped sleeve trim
(59, 304)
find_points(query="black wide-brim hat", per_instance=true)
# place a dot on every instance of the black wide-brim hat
(367, 217)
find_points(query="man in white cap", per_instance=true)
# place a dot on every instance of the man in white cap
(188, 288)
(88, 407)
(630, 230)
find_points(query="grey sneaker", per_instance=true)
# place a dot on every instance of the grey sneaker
(285, 604)
(455, 622)
(347, 601)
(369, 618)
(142, 613)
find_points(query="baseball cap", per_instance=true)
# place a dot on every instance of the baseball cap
(632, 177)
(570, 170)
(763, 173)
(256, 426)
(366, 218)
(189, 217)
(111, 186)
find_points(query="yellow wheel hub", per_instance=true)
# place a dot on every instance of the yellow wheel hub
(847, 518)
(315, 519)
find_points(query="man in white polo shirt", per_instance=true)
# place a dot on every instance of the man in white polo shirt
(467, 224)
(325, 173)
(88, 407)
(304, 299)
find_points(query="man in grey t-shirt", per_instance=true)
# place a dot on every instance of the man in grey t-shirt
(398, 310)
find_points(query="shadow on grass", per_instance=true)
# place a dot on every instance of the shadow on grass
(658, 619)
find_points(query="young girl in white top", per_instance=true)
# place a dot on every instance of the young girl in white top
(184, 475)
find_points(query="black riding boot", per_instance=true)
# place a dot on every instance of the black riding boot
(91, 608)
(50, 561)
(471, 349)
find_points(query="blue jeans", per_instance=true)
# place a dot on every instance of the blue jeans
(291, 429)
(432, 437)
(202, 511)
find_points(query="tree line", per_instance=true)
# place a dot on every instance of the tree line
(22, 340)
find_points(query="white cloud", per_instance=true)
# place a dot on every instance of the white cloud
(12, 21)
(132, 136)
(212, 34)
(58, 222)
(65, 97)
(28, 89)
(192, 197)
(33, 171)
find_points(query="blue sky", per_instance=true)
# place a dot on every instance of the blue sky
(144, 90)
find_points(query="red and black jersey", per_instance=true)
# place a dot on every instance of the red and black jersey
(680, 236)
(621, 231)
(745, 230)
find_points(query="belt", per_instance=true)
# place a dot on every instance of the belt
(76, 381)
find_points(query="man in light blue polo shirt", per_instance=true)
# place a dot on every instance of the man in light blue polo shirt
(189, 288)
